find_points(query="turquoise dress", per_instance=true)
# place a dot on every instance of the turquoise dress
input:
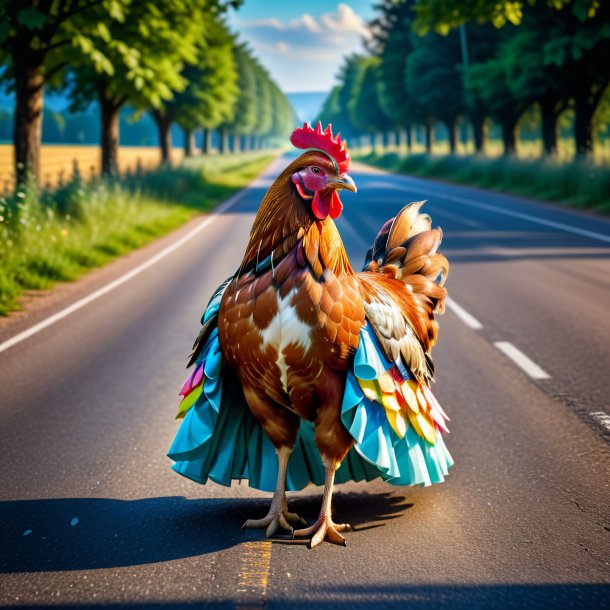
(396, 424)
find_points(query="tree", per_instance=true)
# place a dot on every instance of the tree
(283, 114)
(210, 92)
(364, 108)
(433, 77)
(264, 110)
(37, 39)
(487, 82)
(146, 53)
(579, 48)
(245, 110)
(530, 79)
(444, 15)
(392, 43)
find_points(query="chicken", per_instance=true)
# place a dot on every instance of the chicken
(308, 372)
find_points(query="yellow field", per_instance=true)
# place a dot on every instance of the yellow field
(58, 163)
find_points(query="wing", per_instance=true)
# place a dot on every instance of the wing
(209, 320)
(398, 322)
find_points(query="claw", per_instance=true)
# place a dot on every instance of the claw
(325, 529)
(273, 522)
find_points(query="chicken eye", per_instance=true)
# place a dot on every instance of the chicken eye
(315, 170)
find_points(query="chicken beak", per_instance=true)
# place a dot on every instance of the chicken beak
(343, 181)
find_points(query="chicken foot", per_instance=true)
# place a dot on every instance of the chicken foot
(278, 516)
(324, 528)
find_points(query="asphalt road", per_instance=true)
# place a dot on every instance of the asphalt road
(91, 515)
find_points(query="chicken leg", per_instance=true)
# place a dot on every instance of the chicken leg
(324, 528)
(278, 515)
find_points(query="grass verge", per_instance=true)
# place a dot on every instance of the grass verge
(50, 237)
(578, 184)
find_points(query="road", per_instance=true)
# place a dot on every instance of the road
(91, 514)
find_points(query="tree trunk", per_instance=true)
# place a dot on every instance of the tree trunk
(245, 143)
(429, 136)
(224, 142)
(206, 142)
(478, 132)
(189, 142)
(585, 104)
(452, 130)
(509, 140)
(236, 143)
(165, 135)
(29, 89)
(549, 115)
(110, 135)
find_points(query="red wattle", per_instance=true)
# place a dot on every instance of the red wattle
(319, 206)
(336, 207)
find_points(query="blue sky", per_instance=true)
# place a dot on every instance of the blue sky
(302, 44)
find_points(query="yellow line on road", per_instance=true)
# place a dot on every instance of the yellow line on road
(254, 574)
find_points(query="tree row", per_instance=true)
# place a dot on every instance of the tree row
(173, 58)
(552, 60)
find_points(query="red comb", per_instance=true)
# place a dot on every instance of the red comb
(306, 137)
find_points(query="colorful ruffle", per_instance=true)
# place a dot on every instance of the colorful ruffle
(221, 440)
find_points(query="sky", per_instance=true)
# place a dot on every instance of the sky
(302, 44)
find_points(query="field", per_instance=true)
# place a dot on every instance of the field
(58, 163)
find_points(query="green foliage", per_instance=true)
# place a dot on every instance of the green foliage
(57, 236)
(211, 90)
(245, 111)
(140, 58)
(434, 80)
(555, 59)
(364, 108)
(444, 15)
(393, 43)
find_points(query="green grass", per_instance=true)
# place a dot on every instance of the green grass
(577, 184)
(57, 236)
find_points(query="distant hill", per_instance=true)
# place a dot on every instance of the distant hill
(307, 105)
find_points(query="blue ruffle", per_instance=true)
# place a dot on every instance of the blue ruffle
(221, 440)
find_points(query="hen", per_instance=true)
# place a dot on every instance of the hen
(307, 372)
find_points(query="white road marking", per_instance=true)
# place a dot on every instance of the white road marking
(463, 315)
(602, 418)
(492, 208)
(456, 217)
(536, 219)
(60, 315)
(521, 360)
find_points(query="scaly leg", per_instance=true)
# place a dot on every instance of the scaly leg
(324, 528)
(278, 515)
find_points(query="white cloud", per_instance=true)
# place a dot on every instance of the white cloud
(344, 20)
(305, 53)
(334, 27)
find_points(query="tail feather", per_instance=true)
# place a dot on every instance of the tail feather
(406, 248)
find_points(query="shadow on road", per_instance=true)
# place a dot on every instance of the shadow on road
(415, 597)
(92, 533)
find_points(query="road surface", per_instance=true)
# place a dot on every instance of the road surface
(91, 514)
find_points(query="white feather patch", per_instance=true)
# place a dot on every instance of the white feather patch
(286, 329)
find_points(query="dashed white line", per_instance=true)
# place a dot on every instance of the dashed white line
(463, 315)
(521, 360)
(602, 418)
(209, 219)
